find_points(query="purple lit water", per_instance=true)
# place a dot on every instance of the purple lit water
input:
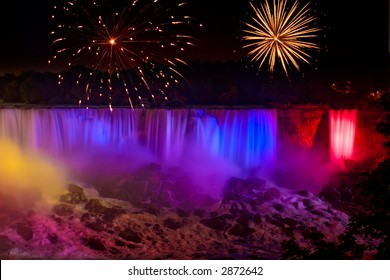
(245, 138)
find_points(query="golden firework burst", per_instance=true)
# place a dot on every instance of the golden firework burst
(280, 33)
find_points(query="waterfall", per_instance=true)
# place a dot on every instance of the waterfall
(342, 133)
(245, 137)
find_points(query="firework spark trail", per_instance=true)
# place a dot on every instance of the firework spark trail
(280, 33)
(127, 40)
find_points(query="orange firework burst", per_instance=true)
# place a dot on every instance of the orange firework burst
(280, 34)
(125, 45)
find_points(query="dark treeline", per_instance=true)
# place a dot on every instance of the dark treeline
(203, 83)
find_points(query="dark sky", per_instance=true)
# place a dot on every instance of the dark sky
(354, 29)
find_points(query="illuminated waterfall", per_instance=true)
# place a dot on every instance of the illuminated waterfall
(342, 133)
(245, 137)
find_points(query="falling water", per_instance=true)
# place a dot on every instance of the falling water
(246, 137)
(342, 133)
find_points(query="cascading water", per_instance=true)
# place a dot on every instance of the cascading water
(342, 133)
(246, 137)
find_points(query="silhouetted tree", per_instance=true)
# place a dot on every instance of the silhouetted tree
(11, 92)
(31, 92)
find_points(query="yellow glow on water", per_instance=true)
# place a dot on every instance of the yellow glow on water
(23, 173)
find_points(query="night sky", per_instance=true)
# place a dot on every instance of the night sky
(353, 30)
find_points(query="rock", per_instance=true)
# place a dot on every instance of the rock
(75, 196)
(62, 209)
(235, 185)
(130, 235)
(272, 194)
(276, 221)
(279, 207)
(95, 206)
(172, 224)
(311, 233)
(199, 212)
(308, 203)
(217, 223)
(146, 172)
(241, 230)
(318, 213)
(5, 245)
(303, 193)
(119, 243)
(182, 213)
(255, 183)
(24, 230)
(152, 210)
(96, 226)
(53, 238)
(257, 219)
(111, 213)
(95, 244)
(290, 222)
(85, 217)
(245, 218)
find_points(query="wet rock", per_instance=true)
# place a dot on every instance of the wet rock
(152, 210)
(53, 238)
(57, 219)
(199, 212)
(119, 243)
(257, 219)
(303, 193)
(276, 221)
(279, 207)
(290, 222)
(62, 209)
(245, 218)
(146, 172)
(234, 209)
(24, 230)
(318, 213)
(272, 194)
(311, 233)
(235, 185)
(111, 213)
(95, 244)
(95, 206)
(130, 235)
(172, 224)
(241, 230)
(96, 226)
(182, 213)
(75, 196)
(217, 223)
(5, 244)
(309, 204)
(85, 217)
(255, 183)
(114, 251)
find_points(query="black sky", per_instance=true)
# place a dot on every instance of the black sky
(352, 29)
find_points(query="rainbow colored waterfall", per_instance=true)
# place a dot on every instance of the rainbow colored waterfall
(342, 133)
(245, 137)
